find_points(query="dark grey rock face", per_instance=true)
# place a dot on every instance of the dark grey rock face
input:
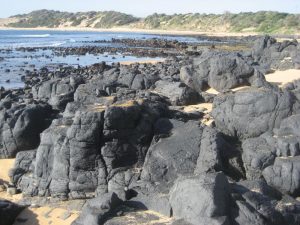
(284, 175)
(23, 164)
(96, 211)
(271, 54)
(182, 150)
(252, 112)
(248, 215)
(178, 93)
(212, 150)
(20, 128)
(58, 92)
(65, 159)
(93, 151)
(221, 71)
(202, 199)
(265, 206)
(257, 203)
(174, 155)
(288, 137)
(258, 153)
(226, 72)
(154, 201)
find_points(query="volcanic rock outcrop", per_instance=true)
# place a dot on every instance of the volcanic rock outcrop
(122, 136)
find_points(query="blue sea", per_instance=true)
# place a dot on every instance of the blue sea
(14, 60)
(35, 38)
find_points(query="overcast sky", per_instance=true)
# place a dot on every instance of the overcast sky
(145, 7)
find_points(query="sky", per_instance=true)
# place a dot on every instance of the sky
(143, 8)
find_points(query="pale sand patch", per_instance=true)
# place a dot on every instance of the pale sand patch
(202, 107)
(287, 39)
(215, 92)
(207, 107)
(11, 198)
(281, 78)
(5, 166)
(212, 91)
(242, 88)
(45, 216)
(208, 122)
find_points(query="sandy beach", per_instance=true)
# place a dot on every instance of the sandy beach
(135, 30)
(154, 31)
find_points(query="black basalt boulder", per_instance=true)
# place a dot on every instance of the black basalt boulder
(21, 127)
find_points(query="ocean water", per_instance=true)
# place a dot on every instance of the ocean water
(10, 39)
(14, 63)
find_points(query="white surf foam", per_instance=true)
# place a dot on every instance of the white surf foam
(35, 35)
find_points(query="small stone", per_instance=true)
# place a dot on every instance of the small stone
(2, 188)
(47, 214)
(12, 190)
(33, 205)
(120, 213)
(65, 215)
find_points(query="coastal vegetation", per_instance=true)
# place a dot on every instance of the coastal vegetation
(260, 22)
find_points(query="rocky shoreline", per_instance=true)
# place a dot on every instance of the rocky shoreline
(119, 138)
